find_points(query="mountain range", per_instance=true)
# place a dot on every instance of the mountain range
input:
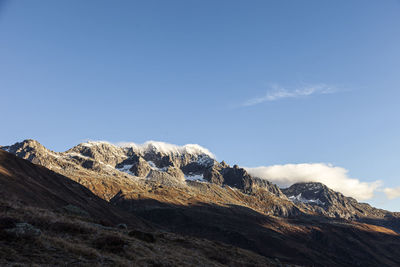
(184, 192)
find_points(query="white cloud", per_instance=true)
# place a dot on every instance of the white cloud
(277, 92)
(392, 193)
(335, 178)
(169, 148)
(163, 147)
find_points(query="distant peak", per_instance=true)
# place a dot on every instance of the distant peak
(28, 143)
(309, 186)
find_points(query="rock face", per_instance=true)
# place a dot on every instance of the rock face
(319, 198)
(153, 161)
(140, 167)
(223, 174)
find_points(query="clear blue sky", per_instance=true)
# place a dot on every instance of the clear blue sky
(182, 71)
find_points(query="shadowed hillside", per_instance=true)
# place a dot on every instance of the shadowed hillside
(306, 240)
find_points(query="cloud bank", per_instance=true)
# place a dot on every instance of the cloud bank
(334, 177)
(168, 148)
(279, 92)
(392, 193)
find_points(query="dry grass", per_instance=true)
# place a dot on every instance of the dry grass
(71, 240)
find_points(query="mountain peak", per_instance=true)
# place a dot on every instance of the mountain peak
(25, 146)
(311, 186)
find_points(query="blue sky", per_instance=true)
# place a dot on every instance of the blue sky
(259, 83)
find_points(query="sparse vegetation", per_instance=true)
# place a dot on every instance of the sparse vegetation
(75, 240)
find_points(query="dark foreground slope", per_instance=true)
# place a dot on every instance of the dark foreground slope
(47, 219)
(309, 240)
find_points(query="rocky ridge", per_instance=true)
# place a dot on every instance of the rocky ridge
(154, 161)
(132, 170)
(319, 199)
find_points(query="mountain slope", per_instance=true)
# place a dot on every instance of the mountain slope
(215, 201)
(47, 219)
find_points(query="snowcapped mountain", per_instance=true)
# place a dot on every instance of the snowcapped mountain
(106, 169)
(152, 161)
(185, 190)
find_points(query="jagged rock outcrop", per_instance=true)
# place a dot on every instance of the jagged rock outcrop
(102, 152)
(213, 174)
(223, 174)
(31, 150)
(319, 198)
(140, 167)
(171, 175)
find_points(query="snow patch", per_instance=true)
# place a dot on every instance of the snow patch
(196, 177)
(153, 166)
(299, 198)
(126, 169)
(205, 161)
(74, 154)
